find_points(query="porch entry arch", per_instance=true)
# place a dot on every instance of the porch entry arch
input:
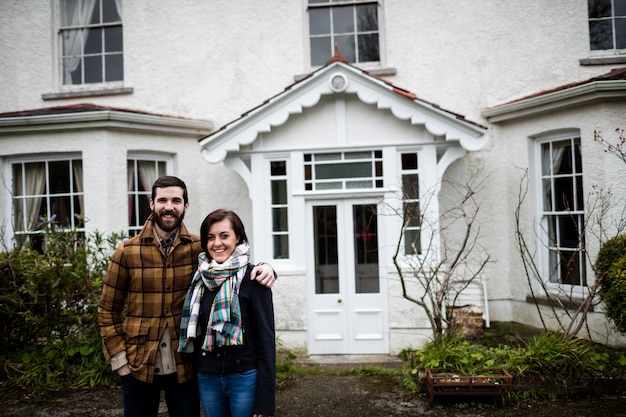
(346, 295)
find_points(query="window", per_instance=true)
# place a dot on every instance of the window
(607, 24)
(280, 210)
(47, 190)
(562, 210)
(351, 24)
(343, 170)
(90, 35)
(411, 204)
(141, 175)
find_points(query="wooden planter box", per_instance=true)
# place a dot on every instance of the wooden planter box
(446, 382)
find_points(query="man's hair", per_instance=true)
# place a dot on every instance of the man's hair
(217, 216)
(170, 181)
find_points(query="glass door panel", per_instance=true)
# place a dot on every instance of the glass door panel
(326, 256)
(365, 249)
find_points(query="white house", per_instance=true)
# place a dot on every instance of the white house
(321, 123)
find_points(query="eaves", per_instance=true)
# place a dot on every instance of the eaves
(593, 92)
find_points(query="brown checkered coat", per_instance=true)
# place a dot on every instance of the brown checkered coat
(152, 287)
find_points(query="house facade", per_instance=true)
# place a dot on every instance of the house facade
(336, 130)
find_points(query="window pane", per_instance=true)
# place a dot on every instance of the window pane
(68, 8)
(620, 7)
(113, 39)
(411, 214)
(368, 48)
(114, 67)
(410, 187)
(343, 19)
(344, 170)
(564, 193)
(109, 11)
(346, 47)
(94, 41)
(329, 186)
(59, 177)
(328, 156)
(68, 39)
(352, 185)
(326, 250)
(366, 249)
(409, 161)
(367, 17)
(412, 244)
(599, 8)
(278, 168)
(321, 50)
(279, 192)
(93, 69)
(600, 35)
(95, 16)
(279, 220)
(319, 21)
(281, 247)
(60, 208)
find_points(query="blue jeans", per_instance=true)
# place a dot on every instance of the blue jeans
(141, 399)
(228, 394)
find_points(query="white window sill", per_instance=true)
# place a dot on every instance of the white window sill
(603, 60)
(101, 91)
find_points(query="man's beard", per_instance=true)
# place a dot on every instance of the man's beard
(159, 221)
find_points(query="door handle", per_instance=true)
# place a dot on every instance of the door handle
(339, 300)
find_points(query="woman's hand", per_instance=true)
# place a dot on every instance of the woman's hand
(264, 273)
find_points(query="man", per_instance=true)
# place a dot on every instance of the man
(141, 307)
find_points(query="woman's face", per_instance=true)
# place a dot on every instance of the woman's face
(222, 241)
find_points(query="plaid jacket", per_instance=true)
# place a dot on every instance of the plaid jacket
(150, 287)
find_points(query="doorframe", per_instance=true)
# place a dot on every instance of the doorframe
(347, 290)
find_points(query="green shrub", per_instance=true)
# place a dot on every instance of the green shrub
(559, 355)
(48, 309)
(550, 354)
(611, 274)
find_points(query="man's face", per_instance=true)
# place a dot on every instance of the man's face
(168, 208)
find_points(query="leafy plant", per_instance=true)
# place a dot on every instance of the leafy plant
(611, 274)
(49, 294)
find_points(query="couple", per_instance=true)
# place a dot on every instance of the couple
(212, 340)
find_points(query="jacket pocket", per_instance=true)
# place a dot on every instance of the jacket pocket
(136, 336)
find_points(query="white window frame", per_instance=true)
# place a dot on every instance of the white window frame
(543, 216)
(333, 3)
(612, 18)
(58, 52)
(135, 195)
(46, 195)
(279, 206)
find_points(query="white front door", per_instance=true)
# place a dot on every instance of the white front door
(347, 300)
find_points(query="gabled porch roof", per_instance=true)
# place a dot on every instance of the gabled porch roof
(339, 77)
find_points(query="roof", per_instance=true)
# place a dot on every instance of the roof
(609, 86)
(88, 115)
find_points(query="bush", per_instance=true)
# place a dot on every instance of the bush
(48, 309)
(611, 275)
(552, 355)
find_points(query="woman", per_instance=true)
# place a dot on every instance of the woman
(228, 323)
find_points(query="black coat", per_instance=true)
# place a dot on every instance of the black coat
(258, 350)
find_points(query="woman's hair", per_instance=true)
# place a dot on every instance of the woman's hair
(217, 216)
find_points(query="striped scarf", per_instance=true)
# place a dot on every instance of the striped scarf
(225, 326)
